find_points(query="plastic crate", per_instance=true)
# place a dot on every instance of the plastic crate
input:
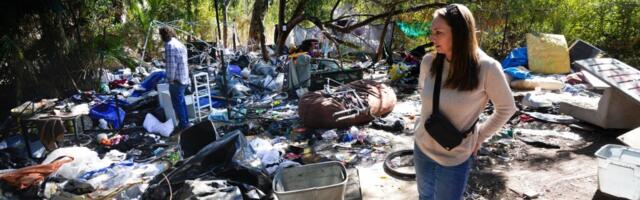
(619, 171)
(324, 181)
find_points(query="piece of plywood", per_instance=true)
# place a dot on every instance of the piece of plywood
(594, 81)
(615, 73)
(631, 138)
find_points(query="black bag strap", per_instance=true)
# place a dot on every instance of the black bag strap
(439, 64)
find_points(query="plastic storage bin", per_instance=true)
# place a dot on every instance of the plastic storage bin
(325, 181)
(619, 171)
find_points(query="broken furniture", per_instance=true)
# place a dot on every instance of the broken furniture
(616, 107)
(330, 68)
(77, 122)
(352, 109)
(580, 50)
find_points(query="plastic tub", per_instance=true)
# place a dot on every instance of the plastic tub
(619, 171)
(324, 181)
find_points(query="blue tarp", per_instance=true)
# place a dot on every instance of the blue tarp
(149, 83)
(108, 112)
(517, 57)
(510, 64)
(517, 73)
(152, 80)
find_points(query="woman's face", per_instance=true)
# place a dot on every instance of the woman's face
(441, 36)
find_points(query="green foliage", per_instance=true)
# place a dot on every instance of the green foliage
(43, 47)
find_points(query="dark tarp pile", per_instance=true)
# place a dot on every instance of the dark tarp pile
(230, 158)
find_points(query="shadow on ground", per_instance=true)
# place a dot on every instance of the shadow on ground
(489, 185)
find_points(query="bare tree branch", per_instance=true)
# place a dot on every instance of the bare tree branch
(298, 10)
(394, 12)
(349, 16)
(334, 8)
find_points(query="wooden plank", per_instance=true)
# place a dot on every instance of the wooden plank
(615, 73)
(631, 138)
(594, 81)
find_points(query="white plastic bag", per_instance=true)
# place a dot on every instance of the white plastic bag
(153, 125)
(84, 160)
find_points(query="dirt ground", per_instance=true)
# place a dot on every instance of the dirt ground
(507, 167)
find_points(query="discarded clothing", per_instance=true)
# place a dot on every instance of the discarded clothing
(26, 177)
(122, 83)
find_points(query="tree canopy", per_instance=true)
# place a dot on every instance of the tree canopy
(50, 47)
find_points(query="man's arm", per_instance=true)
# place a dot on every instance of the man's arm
(170, 62)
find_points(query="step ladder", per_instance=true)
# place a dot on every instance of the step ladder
(201, 97)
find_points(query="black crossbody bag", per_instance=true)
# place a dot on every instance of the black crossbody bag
(438, 125)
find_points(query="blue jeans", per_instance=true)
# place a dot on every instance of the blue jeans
(440, 182)
(179, 106)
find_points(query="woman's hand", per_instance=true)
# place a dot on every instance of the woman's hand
(476, 148)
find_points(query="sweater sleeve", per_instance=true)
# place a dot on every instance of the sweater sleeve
(425, 65)
(499, 93)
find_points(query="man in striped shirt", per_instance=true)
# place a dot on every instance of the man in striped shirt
(177, 73)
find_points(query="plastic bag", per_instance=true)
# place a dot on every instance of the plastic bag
(153, 125)
(84, 160)
(517, 73)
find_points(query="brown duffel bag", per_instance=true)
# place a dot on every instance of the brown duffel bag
(316, 110)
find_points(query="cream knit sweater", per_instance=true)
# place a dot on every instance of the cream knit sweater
(463, 108)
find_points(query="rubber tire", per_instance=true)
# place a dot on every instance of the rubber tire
(395, 174)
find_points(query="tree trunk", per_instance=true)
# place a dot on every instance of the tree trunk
(384, 34)
(225, 32)
(256, 30)
(296, 18)
(279, 29)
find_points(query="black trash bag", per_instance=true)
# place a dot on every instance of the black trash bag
(229, 158)
(391, 125)
(242, 61)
